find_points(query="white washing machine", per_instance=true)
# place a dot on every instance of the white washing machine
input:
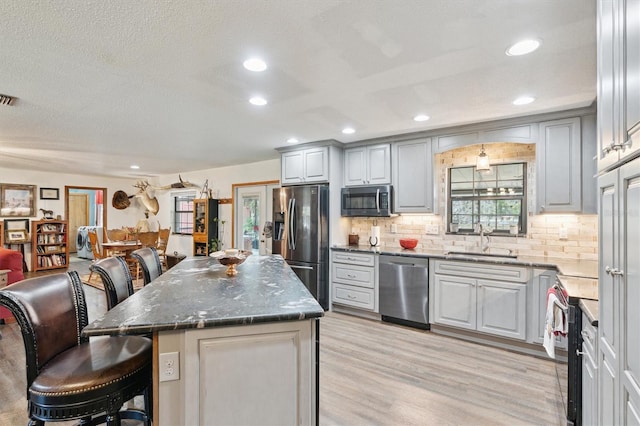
(98, 231)
(82, 243)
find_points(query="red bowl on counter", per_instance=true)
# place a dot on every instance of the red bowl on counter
(408, 243)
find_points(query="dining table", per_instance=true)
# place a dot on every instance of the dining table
(121, 248)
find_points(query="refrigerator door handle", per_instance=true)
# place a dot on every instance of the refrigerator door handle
(378, 200)
(289, 224)
(300, 267)
(292, 222)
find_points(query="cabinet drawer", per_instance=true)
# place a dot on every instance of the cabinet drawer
(353, 296)
(361, 276)
(482, 270)
(353, 258)
(589, 337)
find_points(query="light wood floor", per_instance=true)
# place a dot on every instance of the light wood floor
(374, 373)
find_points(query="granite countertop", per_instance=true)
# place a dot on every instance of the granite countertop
(197, 293)
(579, 288)
(590, 309)
(576, 268)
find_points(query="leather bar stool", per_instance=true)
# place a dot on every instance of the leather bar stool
(149, 262)
(116, 278)
(70, 376)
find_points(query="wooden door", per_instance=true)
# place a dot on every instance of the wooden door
(78, 216)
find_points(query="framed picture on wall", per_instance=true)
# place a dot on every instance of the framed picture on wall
(49, 194)
(16, 236)
(17, 200)
(11, 224)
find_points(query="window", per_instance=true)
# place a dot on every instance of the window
(495, 198)
(183, 213)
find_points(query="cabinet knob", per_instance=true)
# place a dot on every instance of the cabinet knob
(579, 353)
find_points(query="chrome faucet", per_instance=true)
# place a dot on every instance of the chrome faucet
(482, 229)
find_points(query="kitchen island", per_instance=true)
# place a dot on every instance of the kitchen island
(227, 350)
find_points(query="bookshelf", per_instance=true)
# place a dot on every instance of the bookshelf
(50, 249)
(205, 225)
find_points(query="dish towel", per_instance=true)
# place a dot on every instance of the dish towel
(555, 321)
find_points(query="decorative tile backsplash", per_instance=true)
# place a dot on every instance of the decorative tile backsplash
(543, 231)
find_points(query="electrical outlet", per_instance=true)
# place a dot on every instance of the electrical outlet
(432, 229)
(394, 228)
(562, 234)
(169, 366)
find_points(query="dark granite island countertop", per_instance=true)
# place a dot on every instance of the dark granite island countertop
(197, 293)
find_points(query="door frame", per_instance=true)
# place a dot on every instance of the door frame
(235, 186)
(94, 188)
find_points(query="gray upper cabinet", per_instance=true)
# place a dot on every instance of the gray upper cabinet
(309, 165)
(367, 165)
(413, 176)
(521, 133)
(559, 166)
(618, 81)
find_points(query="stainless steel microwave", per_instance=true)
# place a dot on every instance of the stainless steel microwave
(367, 201)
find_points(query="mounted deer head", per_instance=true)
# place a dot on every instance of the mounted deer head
(147, 196)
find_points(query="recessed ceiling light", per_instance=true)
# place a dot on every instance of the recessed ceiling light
(421, 117)
(523, 47)
(292, 140)
(348, 131)
(257, 100)
(135, 166)
(255, 64)
(523, 100)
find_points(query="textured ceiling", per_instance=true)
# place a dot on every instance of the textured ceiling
(105, 84)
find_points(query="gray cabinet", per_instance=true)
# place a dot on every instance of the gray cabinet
(309, 165)
(367, 165)
(559, 165)
(413, 176)
(589, 373)
(618, 82)
(468, 295)
(619, 295)
(353, 277)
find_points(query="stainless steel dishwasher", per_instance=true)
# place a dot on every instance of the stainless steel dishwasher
(404, 290)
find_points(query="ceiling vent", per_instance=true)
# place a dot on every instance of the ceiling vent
(6, 100)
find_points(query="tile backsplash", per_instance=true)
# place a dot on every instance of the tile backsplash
(543, 231)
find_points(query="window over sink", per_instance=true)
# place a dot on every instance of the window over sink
(495, 198)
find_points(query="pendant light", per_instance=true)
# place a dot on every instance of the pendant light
(482, 162)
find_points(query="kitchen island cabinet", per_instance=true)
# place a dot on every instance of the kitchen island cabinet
(246, 346)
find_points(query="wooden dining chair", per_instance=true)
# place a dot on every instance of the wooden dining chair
(163, 241)
(98, 252)
(148, 239)
(70, 376)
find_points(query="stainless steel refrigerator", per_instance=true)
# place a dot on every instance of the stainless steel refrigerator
(301, 235)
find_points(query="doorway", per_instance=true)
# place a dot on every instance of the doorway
(252, 210)
(84, 206)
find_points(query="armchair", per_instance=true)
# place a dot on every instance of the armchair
(10, 260)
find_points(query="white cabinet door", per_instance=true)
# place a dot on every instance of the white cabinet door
(292, 164)
(379, 164)
(316, 165)
(355, 168)
(413, 176)
(305, 166)
(559, 166)
(502, 309)
(631, 78)
(608, 304)
(627, 284)
(455, 301)
(367, 165)
(589, 401)
(608, 85)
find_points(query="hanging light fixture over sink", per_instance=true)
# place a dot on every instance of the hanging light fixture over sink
(482, 162)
